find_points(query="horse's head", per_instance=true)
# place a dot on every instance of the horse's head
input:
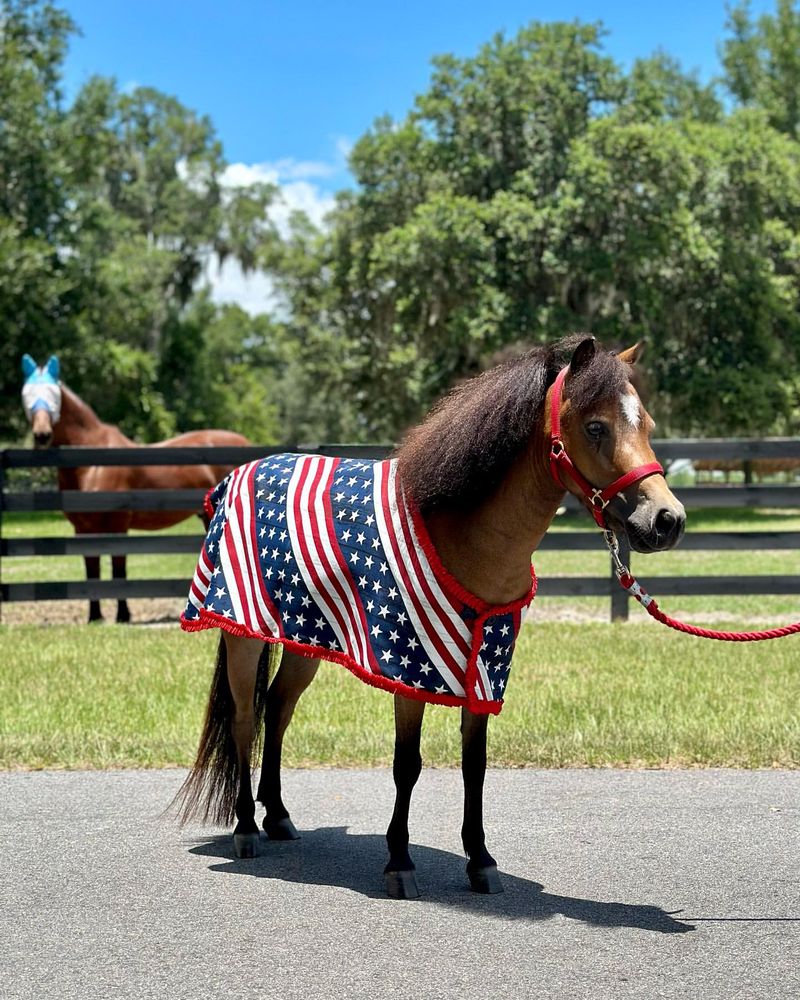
(605, 448)
(41, 398)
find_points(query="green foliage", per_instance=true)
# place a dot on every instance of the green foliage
(222, 368)
(533, 189)
(110, 210)
(762, 63)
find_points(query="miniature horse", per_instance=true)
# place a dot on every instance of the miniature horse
(59, 417)
(483, 477)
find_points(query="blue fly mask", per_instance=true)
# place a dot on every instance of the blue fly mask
(41, 390)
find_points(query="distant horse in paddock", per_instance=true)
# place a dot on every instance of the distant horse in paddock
(59, 417)
(413, 573)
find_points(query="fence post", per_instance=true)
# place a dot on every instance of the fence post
(619, 596)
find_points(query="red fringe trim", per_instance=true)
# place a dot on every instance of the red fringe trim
(208, 506)
(209, 619)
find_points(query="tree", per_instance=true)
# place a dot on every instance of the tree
(110, 210)
(535, 189)
(685, 234)
(762, 63)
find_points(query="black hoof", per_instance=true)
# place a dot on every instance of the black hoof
(281, 829)
(485, 880)
(245, 845)
(401, 885)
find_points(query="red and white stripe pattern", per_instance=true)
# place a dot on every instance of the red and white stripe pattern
(319, 558)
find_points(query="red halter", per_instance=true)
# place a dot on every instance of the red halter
(560, 463)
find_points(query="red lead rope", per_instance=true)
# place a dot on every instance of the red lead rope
(635, 589)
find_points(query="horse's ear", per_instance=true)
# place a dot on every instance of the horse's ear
(632, 354)
(53, 367)
(28, 365)
(583, 354)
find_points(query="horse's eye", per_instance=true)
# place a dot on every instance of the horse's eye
(595, 429)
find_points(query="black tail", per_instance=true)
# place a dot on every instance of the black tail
(209, 792)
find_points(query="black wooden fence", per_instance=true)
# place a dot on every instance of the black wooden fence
(744, 495)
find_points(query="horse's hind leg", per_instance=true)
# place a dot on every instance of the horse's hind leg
(243, 660)
(401, 882)
(481, 866)
(293, 677)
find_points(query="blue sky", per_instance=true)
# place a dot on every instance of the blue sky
(295, 80)
(289, 86)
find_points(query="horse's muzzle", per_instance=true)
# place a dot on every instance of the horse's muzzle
(656, 532)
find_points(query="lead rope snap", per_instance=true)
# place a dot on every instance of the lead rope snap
(613, 547)
(623, 574)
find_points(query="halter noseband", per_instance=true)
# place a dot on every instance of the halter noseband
(561, 464)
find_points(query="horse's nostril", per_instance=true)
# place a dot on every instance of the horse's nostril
(665, 521)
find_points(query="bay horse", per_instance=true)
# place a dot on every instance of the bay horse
(413, 573)
(58, 416)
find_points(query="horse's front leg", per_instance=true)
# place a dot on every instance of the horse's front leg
(481, 866)
(401, 882)
(118, 572)
(93, 573)
(293, 677)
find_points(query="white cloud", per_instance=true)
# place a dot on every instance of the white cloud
(253, 292)
(296, 188)
(299, 190)
(344, 148)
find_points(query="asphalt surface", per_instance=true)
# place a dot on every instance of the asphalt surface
(679, 884)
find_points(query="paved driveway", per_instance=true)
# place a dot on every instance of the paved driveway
(618, 884)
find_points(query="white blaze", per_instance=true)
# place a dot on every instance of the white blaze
(630, 407)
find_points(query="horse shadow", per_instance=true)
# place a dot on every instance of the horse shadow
(331, 856)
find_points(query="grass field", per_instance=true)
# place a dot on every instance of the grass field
(589, 694)
(586, 695)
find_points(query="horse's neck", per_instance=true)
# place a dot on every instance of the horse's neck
(80, 425)
(489, 549)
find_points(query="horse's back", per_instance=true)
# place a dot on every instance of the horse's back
(207, 438)
(152, 477)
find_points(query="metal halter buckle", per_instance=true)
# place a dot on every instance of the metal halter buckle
(597, 500)
(557, 448)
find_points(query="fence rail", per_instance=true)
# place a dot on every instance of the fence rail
(70, 501)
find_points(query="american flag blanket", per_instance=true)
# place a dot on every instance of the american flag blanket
(327, 557)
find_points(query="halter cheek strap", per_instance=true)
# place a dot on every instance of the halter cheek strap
(561, 464)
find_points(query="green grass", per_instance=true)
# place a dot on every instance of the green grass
(682, 562)
(580, 695)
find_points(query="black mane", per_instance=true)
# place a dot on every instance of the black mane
(462, 451)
